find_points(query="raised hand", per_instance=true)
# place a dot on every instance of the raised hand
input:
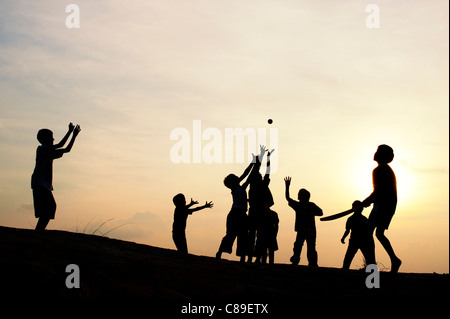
(76, 130)
(209, 205)
(287, 180)
(262, 150)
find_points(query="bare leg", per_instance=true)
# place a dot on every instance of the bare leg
(395, 261)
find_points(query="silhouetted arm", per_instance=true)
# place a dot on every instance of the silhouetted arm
(258, 159)
(347, 231)
(193, 202)
(66, 137)
(247, 181)
(207, 205)
(76, 130)
(250, 167)
(268, 164)
(371, 198)
(253, 168)
(246, 172)
(287, 182)
(317, 210)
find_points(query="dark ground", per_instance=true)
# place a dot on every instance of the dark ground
(117, 274)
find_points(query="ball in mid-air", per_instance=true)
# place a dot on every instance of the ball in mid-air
(269, 121)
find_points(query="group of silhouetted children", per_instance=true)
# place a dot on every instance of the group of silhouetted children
(256, 232)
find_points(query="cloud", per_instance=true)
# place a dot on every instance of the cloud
(25, 207)
(426, 170)
(430, 170)
(144, 218)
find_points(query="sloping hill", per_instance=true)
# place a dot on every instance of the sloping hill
(33, 267)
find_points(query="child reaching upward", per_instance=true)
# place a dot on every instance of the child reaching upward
(260, 200)
(267, 226)
(305, 225)
(42, 178)
(237, 219)
(182, 211)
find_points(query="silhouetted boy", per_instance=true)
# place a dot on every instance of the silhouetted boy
(305, 224)
(259, 198)
(384, 199)
(182, 211)
(42, 178)
(360, 237)
(237, 223)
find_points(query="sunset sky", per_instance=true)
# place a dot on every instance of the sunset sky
(134, 72)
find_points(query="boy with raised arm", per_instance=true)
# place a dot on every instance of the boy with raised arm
(258, 198)
(42, 178)
(237, 219)
(267, 227)
(305, 225)
(182, 211)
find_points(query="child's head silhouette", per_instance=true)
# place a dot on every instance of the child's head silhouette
(384, 154)
(179, 200)
(45, 136)
(231, 181)
(304, 195)
(357, 207)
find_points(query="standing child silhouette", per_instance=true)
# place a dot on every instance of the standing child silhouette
(360, 237)
(237, 219)
(384, 200)
(182, 211)
(267, 229)
(259, 199)
(305, 224)
(42, 178)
